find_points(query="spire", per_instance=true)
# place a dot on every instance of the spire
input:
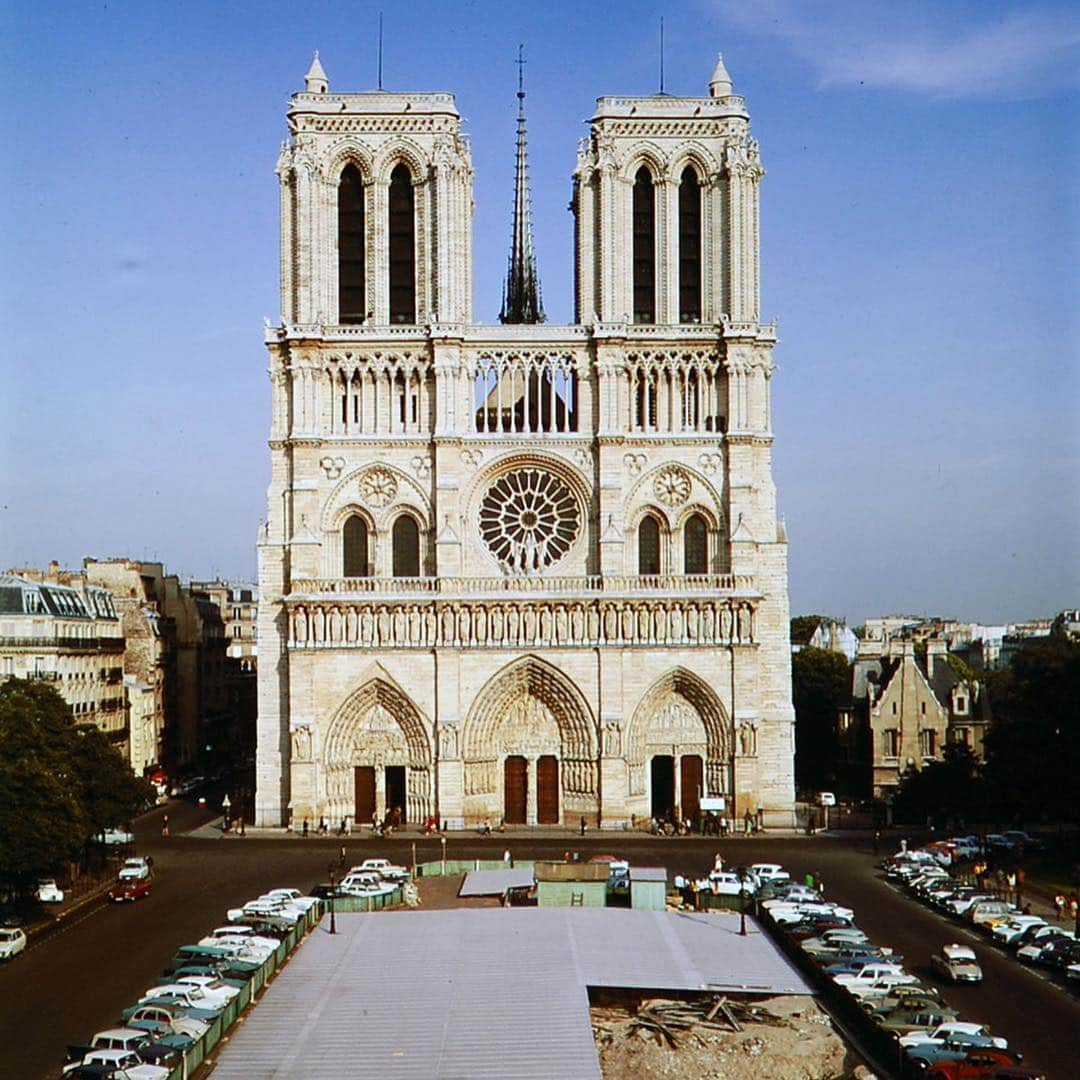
(522, 302)
(315, 81)
(720, 83)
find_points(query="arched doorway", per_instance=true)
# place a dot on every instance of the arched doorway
(662, 786)
(530, 731)
(378, 759)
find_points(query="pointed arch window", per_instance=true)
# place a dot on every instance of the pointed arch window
(354, 548)
(402, 237)
(644, 248)
(689, 248)
(406, 543)
(695, 546)
(648, 545)
(351, 292)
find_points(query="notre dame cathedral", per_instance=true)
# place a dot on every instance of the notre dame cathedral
(521, 573)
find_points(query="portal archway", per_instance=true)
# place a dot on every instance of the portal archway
(378, 755)
(530, 726)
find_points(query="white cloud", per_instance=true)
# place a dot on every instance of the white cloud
(945, 51)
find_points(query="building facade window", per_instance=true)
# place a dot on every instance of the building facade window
(927, 742)
(406, 544)
(644, 238)
(695, 546)
(354, 548)
(402, 238)
(689, 248)
(351, 293)
(890, 743)
(961, 705)
(649, 545)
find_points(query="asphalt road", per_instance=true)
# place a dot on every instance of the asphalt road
(78, 980)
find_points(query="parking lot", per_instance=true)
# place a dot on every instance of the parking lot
(79, 980)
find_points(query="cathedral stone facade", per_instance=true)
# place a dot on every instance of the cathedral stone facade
(524, 573)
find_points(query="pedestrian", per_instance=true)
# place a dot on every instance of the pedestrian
(1074, 906)
(582, 824)
(809, 880)
(305, 829)
(341, 828)
(1019, 886)
(748, 821)
(718, 861)
(877, 840)
(1059, 906)
(240, 820)
(164, 824)
(323, 828)
(723, 827)
(342, 860)
(819, 883)
(507, 859)
(348, 826)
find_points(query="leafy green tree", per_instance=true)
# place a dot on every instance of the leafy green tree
(1032, 746)
(110, 792)
(803, 627)
(950, 788)
(820, 686)
(42, 821)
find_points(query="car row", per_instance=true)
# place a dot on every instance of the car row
(200, 982)
(927, 1035)
(1028, 937)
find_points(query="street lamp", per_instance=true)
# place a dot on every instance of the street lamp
(333, 889)
(740, 873)
(443, 839)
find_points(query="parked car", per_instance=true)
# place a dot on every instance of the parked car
(210, 984)
(1007, 932)
(122, 1063)
(772, 872)
(912, 995)
(12, 942)
(130, 889)
(116, 837)
(135, 868)
(974, 1065)
(48, 892)
(130, 1039)
(294, 897)
(900, 1022)
(957, 963)
(874, 973)
(189, 995)
(951, 1030)
(385, 868)
(988, 912)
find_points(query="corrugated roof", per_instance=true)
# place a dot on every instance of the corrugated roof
(496, 882)
(499, 994)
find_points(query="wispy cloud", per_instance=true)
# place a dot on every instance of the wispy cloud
(953, 51)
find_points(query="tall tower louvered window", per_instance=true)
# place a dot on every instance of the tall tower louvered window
(351, 299)
(695, 546)
(689, 248)
(644, 248)
(354, 548)
(648, 540)
(406, 539)
(402, 237)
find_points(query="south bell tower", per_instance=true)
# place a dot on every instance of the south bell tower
(521, 571)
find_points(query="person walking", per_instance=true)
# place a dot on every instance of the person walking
(305, 829)
(164, 824)
(582, 824)
(1059, 906)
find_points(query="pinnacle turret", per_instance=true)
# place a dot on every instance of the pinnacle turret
(315, 81)
(522, 302)
(720, 83)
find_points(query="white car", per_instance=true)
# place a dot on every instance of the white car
(874, 975)
(294, 897)
(12, 942)
(1007, 932)
(123, 1063)
(723, 883)
(135, 869)
(769, 871)
(117, 836)
(383, 867)
(187, 995)
(153, 1016)
(211, 983)
(940, 1035)
(242, 934)
(48, 892)
(958, 963)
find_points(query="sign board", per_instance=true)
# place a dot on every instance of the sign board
(713, 802)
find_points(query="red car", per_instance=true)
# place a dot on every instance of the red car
(130, 889)
(978, 1065)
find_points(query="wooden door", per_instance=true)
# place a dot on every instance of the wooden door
(516, 790)
(692, 772)
(547, 790)
(365, 794)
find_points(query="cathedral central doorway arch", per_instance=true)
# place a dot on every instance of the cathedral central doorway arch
(530, 754)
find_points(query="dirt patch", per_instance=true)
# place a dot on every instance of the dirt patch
(781, 1038)
(442, 892)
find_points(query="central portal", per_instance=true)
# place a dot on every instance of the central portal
(395, 793)
(547, 790)
(662, 771)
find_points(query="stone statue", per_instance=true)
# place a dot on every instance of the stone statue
(301, 744)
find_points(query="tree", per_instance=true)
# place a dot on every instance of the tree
(111, 794)
(803, 627)
(820, 686)
(1033, 744)
(41, 815)
(951, 787)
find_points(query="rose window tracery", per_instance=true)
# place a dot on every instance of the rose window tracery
(672, 486)
(378, 487)
(529, 519)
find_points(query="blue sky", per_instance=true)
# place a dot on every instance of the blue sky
(919, 233)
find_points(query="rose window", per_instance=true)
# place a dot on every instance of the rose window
(529, 519)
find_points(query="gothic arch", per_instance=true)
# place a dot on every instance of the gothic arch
(696, 158)
(682, 685)
(648, 156)
(401, 151)
(346, 152)
(533, 677)
(359, 734)
(641, 496)
(342, 497)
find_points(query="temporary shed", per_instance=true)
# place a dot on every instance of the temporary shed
(563, 884)
(648, 888)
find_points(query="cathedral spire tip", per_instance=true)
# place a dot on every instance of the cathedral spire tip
(522, 301)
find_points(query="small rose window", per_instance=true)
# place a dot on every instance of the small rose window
(529, 519)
